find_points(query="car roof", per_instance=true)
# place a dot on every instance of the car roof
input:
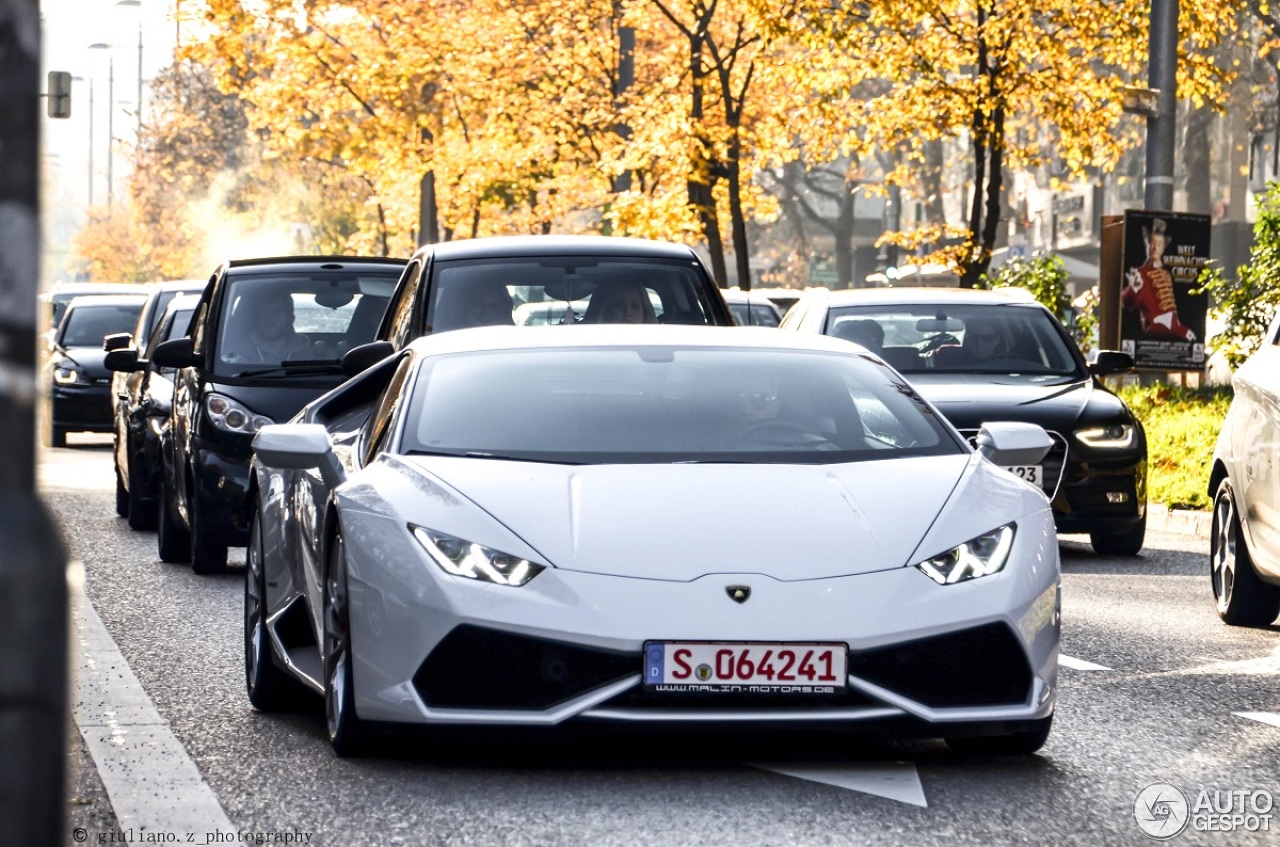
(74, 289)
(599, 336)
(84, 300)
(737, 295)
(949, 296)
(311, 263)
(196, 285)
(514, 246)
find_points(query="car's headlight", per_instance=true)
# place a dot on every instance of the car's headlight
(981, 556)
(232, 416)
(1116, 436)
(470, 560)
(64, 375)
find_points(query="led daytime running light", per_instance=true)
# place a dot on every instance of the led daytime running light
(472, 561)
(981, 556)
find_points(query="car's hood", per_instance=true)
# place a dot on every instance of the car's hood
(680, 522)
(971, 401)
(88, 359)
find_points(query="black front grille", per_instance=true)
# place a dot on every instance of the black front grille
(1052, 464)
(983, 666)
(477, 668)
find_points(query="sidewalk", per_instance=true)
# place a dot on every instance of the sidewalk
(1182, 521)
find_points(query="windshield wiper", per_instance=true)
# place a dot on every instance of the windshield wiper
(299, 367)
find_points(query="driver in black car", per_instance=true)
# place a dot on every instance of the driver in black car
(984, 341)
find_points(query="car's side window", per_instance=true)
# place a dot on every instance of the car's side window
(401, 311)
(380, 421)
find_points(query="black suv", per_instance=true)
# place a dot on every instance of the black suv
(267, 337)
(487, 281)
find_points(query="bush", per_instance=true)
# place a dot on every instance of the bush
(1182, 427)
(1046, 278)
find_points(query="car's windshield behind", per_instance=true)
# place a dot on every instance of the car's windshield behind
(754, 314)
(566, 290)
(920, 338)
(669, 405)
(269, 319)
(86, 325)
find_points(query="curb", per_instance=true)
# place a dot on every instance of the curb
(1182, 521)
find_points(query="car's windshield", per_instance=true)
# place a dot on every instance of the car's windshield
(562, 290)
(669, 405)
(85, 325)
(754, 314)
(269, 319)
(989, 339)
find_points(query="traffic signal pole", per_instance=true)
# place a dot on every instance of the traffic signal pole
(33, 571)
(1162, 126)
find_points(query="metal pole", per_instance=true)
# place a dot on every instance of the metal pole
(33, 577)
(139, 138)
(1162, 127)
(91, 140)
(111, 137)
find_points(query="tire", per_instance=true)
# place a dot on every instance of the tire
(1127, 543)
(122, 496)
(347, 733)
(1022, 743)
(57, 436)
(270, 688)
(207, 557)
(141, 514)
(173, 542)
(1241, 597)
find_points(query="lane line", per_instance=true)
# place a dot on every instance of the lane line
(153, 784)
(891, 780)
(1269, 718)
(1080, 664)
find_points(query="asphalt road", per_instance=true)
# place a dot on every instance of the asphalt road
(1156, 692)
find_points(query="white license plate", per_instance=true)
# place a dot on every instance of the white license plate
(803, 668)
(1033, 474)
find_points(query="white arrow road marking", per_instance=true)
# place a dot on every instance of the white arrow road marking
(1080, 664)
(1262, 717)
(152, 782)
(891, 780)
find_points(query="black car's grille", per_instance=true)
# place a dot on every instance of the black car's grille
(1053, 464)
(477, 668)
(983, 666)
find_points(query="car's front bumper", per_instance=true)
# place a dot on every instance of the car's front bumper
(221, 488)
(1102, 494)
(82, 407)
(430, 648)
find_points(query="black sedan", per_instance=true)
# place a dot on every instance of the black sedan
(80, 392)
(144, 398)
(1000, 355)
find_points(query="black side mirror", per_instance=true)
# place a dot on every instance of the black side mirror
(360, 358)
(175, 353)
(1111, 362)
(124, 361)
(116, 341)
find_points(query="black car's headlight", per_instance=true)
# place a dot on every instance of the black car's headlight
(981, 556)
(468, 559)
(233, 416)
(65, 374)
(1114, 436)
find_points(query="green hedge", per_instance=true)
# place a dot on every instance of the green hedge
(1182, 427)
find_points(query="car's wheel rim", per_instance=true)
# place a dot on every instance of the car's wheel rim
(254, 602)
(1223, 556)
(337, 648)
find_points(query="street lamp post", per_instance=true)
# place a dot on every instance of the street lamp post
(137, 4)
(111, 107)
(90, 81)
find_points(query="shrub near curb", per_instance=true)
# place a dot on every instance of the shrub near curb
(1182, 428)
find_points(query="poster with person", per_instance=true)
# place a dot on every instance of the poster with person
(1162, 322)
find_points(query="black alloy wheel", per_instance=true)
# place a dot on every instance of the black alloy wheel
(1021, 743)
(270, 687)
(173, 542)
(1127, 543)
(347, 733)
(1241, 597)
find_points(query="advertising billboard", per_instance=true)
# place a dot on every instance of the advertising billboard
(1161, 322)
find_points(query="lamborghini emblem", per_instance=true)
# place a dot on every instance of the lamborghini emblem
(738, 593)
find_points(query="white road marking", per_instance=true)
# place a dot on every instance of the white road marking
(1262, 717)
(891, 780)
(153, 784)
(1080, 664)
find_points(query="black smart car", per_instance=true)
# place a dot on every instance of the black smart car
(143, 401)
(267, 337)
(1001, 356)
(492, 281)
(80, 384)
